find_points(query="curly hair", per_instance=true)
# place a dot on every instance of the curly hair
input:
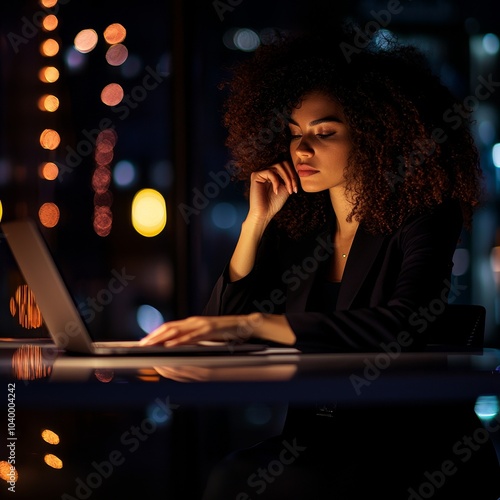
(407, 155)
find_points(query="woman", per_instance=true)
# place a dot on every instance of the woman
(358, 191)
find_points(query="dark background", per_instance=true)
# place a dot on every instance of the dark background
(175, 140)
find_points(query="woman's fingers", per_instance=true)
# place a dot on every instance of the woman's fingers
(287, 173)
(263, 176)
(278, 174)
(194, 330)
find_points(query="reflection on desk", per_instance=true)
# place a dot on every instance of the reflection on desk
(279, 375)
(152, 427)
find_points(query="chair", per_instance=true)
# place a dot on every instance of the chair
(459, 328)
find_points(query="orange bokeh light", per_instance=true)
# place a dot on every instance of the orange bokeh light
(112, 94)
(49, 139)
(50, 22)
(48, 74)
(24, 305)
(48, 102)
(115, 33)
(49, 171)
(49, 48)
(49, 214)
(48, 3)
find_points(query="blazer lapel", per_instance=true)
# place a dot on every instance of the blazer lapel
(364, 249)
(298, 290)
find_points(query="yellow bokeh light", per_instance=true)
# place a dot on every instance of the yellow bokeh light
(149, 212)
(49, 139)
(86, 40)
(1, 210)
(50, 437)
(48, 102)
(49, 47)
(53, 461)
(7, 472)
(48, 74)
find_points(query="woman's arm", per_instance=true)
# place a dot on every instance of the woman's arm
(235, 328)
(269, 190)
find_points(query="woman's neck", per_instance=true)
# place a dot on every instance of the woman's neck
(342, 208)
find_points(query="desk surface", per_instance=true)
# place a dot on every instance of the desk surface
(142, 413)
(276, 376)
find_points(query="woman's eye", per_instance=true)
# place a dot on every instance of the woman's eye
(295, 136)
(324, 136)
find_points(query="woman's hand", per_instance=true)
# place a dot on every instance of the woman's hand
(229, 329)
(269, 190)
(195, 329)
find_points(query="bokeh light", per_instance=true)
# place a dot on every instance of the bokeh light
(48, 74)
(486, 131)
(106, 136)
(246, 40)
(104, 375)
(112, 94)
(50, 437)
(103, 221)
(149, 212)
(30, 362)
(48, 102)
(487, 407)
(53, 461)
(49, 171)
(74, 60)
(1, 210)
(117, 54)
(149, 318)
(124, 173)
(461, 260)
(49, 214)
(24, 305)
(224, 215)
(6, 473)
(50, 23)
(48, 3)
(49, 47)
(115, 33)
(491, 44)
(86, 40)
(101, 179)
(495, 152)
(49, 139)
(103, 199)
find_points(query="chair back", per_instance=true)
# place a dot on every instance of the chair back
(459, 328)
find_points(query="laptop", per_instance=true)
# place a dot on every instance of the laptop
(61, 315)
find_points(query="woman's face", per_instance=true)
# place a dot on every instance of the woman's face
(320, 143)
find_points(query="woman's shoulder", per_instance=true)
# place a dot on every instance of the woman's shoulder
(444, 217)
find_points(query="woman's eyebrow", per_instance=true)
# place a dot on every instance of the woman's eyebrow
(331, 118)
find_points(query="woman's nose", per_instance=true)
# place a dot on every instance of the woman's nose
(304, 149)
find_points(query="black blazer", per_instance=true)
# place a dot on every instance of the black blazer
(392, 290)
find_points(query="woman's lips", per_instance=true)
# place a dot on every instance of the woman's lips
(306, 171)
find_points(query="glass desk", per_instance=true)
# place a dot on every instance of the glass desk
(152, 427)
